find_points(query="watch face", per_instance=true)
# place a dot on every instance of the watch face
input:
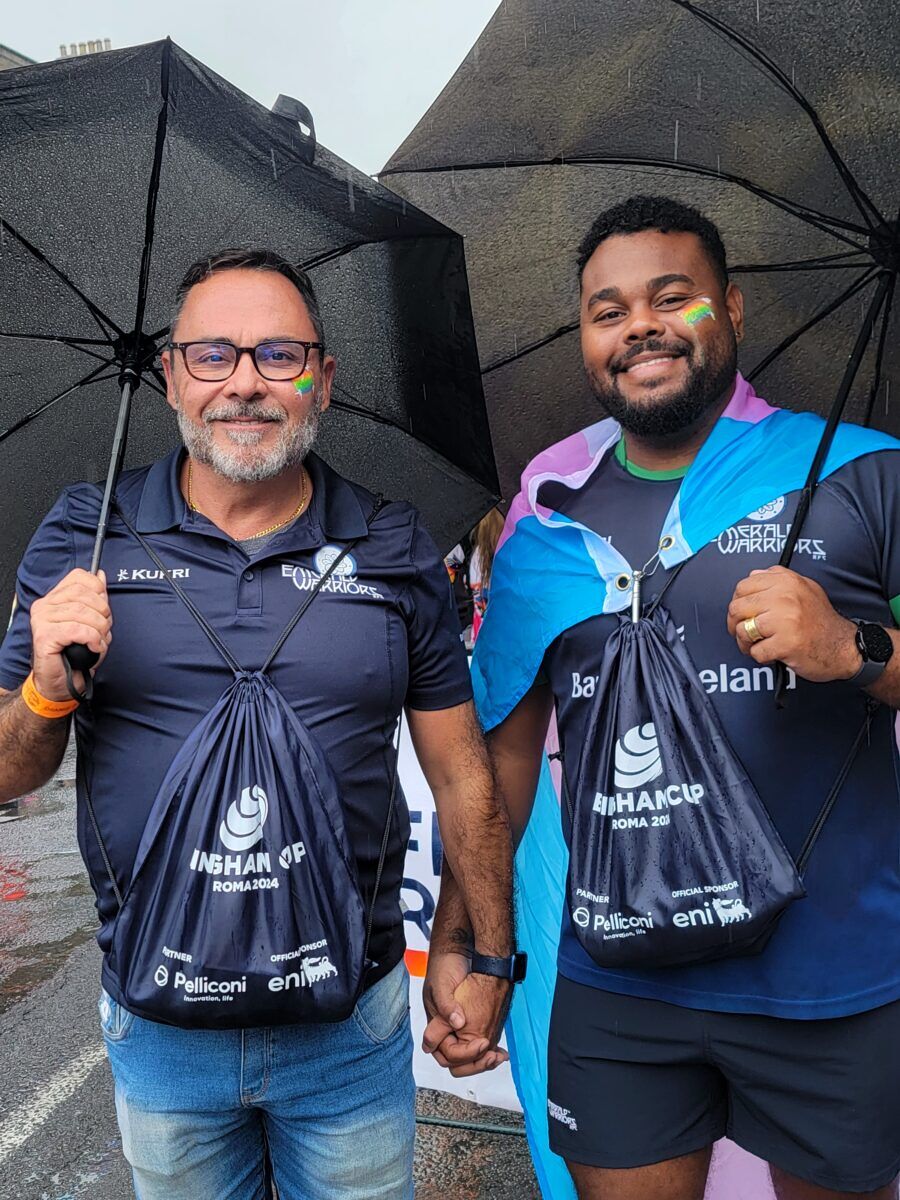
(877, 645)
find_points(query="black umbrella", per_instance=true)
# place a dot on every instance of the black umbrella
(778, 120)
(119, 169)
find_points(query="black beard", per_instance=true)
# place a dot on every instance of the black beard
(672, 415)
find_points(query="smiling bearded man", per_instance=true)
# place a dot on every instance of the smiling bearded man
(248, 526)
(794, 1052)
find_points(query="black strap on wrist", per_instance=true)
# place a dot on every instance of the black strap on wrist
(512, 968)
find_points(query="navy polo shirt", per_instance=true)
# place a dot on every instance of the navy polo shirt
(381, 634)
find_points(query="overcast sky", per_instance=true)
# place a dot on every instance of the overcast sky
(367, 69)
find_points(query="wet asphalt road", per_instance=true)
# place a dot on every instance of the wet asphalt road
(58, 1136)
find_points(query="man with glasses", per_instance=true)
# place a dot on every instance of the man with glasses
(248, 520)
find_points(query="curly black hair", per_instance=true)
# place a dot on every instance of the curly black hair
(654, 212)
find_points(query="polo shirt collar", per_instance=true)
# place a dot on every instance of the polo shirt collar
(335, 508)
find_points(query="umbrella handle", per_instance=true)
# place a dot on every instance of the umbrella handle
(80, 658)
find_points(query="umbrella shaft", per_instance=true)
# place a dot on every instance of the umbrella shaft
(853, 364)
(115, 465)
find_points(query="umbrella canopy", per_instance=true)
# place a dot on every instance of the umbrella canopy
(777, 120)
(117, 171)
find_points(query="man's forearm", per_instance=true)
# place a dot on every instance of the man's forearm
(478, 849)
(451, 929)
(31, 747)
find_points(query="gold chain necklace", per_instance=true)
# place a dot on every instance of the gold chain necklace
(269, 528)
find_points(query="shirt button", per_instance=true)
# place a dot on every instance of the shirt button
(248, 575)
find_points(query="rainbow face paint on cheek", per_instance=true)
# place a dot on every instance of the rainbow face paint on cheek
(697, 310)
(304, 383)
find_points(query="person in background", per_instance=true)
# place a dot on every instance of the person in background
(485, 537)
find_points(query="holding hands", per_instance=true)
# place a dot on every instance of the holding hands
(466, 1013)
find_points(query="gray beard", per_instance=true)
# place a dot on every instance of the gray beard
(246, 463)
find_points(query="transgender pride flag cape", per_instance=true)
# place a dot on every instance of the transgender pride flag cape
(550, 573)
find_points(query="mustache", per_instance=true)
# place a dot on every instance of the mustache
(654, 346)
(244, 412)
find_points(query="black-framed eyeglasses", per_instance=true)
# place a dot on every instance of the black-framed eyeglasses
(215, 361)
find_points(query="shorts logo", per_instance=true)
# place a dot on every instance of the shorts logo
(243, 824)
(562, 1115)
(637, 757)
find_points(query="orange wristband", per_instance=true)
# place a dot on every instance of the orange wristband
(42, 707)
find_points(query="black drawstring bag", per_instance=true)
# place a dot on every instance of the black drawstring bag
(244, 906)
(674, 858)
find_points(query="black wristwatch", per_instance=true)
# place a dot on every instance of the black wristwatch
(512, 968)
(876, 646)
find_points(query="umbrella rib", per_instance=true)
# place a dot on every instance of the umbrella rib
(821, 221)
(72, 343)
(94, 376)
(58, 337)
(846, 295)
(153, 385)
(764, 268)
(361, 411)
(328, 256)
(97, 313)
(879, 355)
(821, 263)
(310, 264)
(530, 348)
(859, 196)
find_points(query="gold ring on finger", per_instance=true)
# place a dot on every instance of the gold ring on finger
(751, 629)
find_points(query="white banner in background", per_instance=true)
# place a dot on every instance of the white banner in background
(420, 893)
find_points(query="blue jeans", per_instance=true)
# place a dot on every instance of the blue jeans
(335, 1103)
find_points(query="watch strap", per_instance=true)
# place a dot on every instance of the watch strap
(512, 968)
(869, 673)
(872, 668)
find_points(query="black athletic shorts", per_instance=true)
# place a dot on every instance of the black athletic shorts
(634, 1081)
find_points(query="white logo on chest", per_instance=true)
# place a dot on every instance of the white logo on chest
(341, 582)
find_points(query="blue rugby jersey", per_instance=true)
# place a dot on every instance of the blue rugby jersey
(382, 633)
(838, 950)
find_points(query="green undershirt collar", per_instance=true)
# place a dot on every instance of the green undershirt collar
(642, 472)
